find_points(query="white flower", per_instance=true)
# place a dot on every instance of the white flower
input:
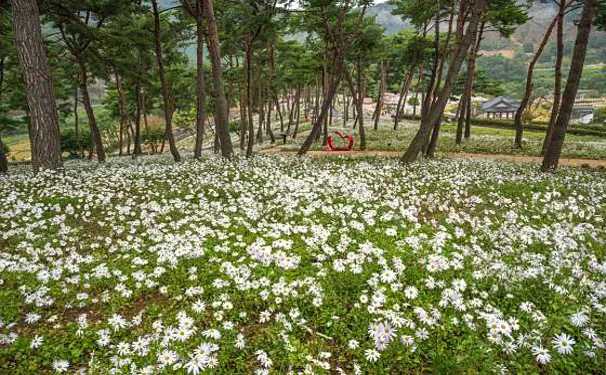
(240, 342)
(353, 344)
(212, 333)
(263, 358)
(542, 355)
(60, 365)
(563, 343)
(411, 292)
(36, 342)
(407, 340)
(195, 365)
(32, 318)
(579, 319)
(167, 357)
(372, 355)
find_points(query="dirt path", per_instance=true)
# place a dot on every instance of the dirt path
(570, 162)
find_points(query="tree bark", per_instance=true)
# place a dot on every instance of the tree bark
(517, 119)
(428, 99)
(261, 107)
(279, 110)
(421, 139)
(317, 128)
(382, 84)
(137, 137)
(46, 149)
(402, 99)
(361, 95)
(270, 92)
(166, 94)
(77, 123)
(249, 104)
(468, 92)
(554, 149)
(476, 49)
(435, 133)
(221, 117)
(243, 115)
(557, 87)
(122, 106)
(297, 106)
(200, 84)
(3, 160)
(88, 107)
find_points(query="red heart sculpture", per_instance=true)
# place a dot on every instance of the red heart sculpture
(349, 138)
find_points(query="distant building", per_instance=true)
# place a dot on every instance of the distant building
(500, 106)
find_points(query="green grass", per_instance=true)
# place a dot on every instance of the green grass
(482, 140)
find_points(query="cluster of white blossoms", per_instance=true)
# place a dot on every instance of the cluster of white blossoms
(281, 265)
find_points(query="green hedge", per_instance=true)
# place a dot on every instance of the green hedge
(592, 130)
(576, 129)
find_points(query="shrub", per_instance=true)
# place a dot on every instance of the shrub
(73, 144)
(152, 134)
(234, 126)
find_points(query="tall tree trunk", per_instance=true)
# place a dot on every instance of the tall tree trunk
(402, 99)
(325, 88)
(297, 107)
(517, 119)
(137, 137)
(435, 133)
(361, 95)
(221, 119)
(3, 159)
(445, 51)
(554, 149)
(249, 104)
(200, 84)
(474, 55)
(382, 84)
(290, 108)
(466, 99)
(428, 99)
(166, 94)
(122, 106)
(345, 108)
(261, 106)
(270, 92)
(316, 101)
(317, 128)
(279, 111)
(557, 87)
(2, 61)
(243, 115)
(421, 139)
(144, 108)
(92, 121)
(46, 149)
(77, 123)
(130, 132)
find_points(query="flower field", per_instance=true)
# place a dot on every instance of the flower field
(282, 265)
